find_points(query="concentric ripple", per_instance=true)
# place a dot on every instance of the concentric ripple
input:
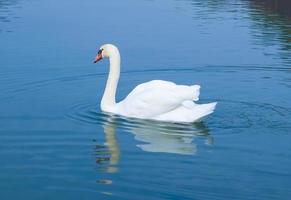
(230, 115)
(20, 86)
(238, 114)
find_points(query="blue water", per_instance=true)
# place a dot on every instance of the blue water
(55, 143)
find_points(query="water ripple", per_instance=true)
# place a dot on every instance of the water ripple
(17, 86)
(235, 115)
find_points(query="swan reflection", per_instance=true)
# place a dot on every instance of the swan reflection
(110, 153)
(156, 136)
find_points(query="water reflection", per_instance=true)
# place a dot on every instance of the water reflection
(269, 22)
(156, 136)
(5, 9)
(110, 153)
(280, 7)
(168, 140)
(272, 20)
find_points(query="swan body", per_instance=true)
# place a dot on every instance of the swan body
(156, 100)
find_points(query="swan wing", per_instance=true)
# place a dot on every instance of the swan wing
(149, 85)
(155, 98)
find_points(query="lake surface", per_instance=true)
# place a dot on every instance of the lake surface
(55, 143)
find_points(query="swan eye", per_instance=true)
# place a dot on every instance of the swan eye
(100, 51)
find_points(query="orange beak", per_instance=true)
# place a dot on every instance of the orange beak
(98, 57)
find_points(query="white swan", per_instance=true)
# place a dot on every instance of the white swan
(156, 100)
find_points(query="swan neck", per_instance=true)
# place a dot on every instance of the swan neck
(108, 101)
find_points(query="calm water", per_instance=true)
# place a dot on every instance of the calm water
(55, 143)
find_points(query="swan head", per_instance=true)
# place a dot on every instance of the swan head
(106, 51)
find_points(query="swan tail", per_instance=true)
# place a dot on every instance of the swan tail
(188, 112)
(203, 110)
